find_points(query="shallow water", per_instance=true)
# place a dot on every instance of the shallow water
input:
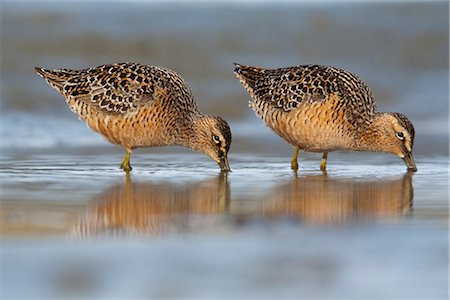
(164, 190)
(83, 227)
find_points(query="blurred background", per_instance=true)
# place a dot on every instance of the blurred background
(74, 226)
(399, 49)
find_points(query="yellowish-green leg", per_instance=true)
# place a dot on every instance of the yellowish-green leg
(126, 166)
(294, 163)
(323, 163)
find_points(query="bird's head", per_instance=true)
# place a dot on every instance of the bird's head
(397, 137)
(213, 137)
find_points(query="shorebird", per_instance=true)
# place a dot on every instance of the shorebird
(321, 109)
(136, 105)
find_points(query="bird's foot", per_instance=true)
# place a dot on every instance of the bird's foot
(294, 165)
(323, 163)
(126, 166)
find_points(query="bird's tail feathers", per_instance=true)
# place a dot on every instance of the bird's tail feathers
(248, 75)
(55, 78)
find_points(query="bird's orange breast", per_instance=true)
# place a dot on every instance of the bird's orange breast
(318, 126)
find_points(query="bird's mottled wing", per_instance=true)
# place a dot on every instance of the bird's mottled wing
(124, 88)
(286, 88)
(114, 89)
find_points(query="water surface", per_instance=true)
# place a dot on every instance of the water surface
(83, 227)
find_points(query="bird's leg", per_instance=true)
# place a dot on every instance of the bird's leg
(323, 163)
(294, 163)
(126, 166)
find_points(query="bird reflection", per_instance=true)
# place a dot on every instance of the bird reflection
(154, 207)
(159, 208)
(319, 199)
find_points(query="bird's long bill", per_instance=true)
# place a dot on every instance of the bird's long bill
(224, 165)
(409, 161)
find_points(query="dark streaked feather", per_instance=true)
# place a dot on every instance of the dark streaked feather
(120, 88)
(287, 88)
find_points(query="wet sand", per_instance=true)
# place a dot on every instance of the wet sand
(365, 228)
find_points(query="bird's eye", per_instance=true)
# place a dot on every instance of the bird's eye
(216, 139)
(400, 135)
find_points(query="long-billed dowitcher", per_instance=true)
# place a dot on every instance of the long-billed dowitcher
(321, 109)
(136, 105)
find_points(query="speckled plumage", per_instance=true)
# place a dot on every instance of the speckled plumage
(321, 109)
(136, 105)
